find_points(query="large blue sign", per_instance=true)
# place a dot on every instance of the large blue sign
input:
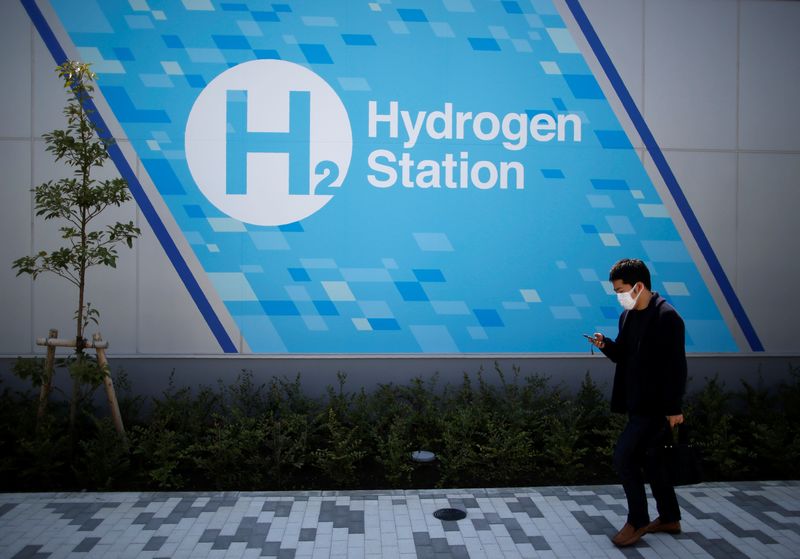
(391, 177)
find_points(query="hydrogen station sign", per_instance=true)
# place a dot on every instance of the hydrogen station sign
(355, 177)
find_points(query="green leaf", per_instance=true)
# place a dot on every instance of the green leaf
(78, 199)
(30, 369)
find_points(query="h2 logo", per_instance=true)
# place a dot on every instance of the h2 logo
(268, 142)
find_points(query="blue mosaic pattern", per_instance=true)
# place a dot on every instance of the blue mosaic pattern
(720, 521)
(356, 276)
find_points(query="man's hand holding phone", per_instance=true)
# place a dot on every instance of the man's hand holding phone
(597, 340)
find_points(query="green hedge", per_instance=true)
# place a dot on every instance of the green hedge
(510, 431)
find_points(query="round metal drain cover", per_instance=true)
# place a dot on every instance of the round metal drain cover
(423, 456)
(450, 514)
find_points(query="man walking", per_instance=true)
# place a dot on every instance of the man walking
(649, 383)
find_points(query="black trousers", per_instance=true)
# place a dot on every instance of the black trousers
(635, 460)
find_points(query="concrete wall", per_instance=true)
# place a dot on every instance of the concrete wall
(716, 80)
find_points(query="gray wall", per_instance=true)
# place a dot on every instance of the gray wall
(716, 80)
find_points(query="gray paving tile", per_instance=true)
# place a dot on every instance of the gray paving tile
(30, 552)
(155, 543)
(281, 508)
(539, 543)
(86, 545)
(717, 548)
(307, 534)
(754, 519)
(733, 528)
(595, 525)
(450, 526)
(6, 507)
(526, 505)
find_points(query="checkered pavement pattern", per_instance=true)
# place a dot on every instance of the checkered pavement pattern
(720, 520)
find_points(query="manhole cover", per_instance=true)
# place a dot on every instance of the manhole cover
(450, 514)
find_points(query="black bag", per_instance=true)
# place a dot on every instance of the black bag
(682, 459)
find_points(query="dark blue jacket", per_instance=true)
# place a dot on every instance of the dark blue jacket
(651, 380)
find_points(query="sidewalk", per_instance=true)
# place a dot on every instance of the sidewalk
(720, 520)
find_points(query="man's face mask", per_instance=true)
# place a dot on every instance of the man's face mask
(627, 300)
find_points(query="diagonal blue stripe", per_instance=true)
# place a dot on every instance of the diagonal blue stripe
(139, 195)
(666, 173)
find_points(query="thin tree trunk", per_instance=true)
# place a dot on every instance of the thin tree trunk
(79, 341)
(73, 405)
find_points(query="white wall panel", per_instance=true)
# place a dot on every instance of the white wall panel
(54, 298)
(49, 96)
(54, 304)
(15, 108)
(690, 73)
(619, 24)
(111, 291)
(708, 179)
(15, 230)
(770, 76)
(769, 267)
(169, 322)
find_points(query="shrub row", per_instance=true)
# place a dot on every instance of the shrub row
(513, 431)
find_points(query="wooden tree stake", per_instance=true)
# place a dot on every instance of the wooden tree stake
(52, 341)
(113, 404)
(47, 380)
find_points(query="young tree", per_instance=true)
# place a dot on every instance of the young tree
(77, 201)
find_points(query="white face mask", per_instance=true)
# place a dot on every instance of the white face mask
(627, 300)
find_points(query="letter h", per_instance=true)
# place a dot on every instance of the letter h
(239, 141)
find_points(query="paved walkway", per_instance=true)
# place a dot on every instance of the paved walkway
(720, 520)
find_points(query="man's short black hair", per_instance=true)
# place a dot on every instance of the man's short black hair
(630, 271)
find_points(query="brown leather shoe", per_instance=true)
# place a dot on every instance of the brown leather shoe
(664, 527)
(628, 535)
(618, 536)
